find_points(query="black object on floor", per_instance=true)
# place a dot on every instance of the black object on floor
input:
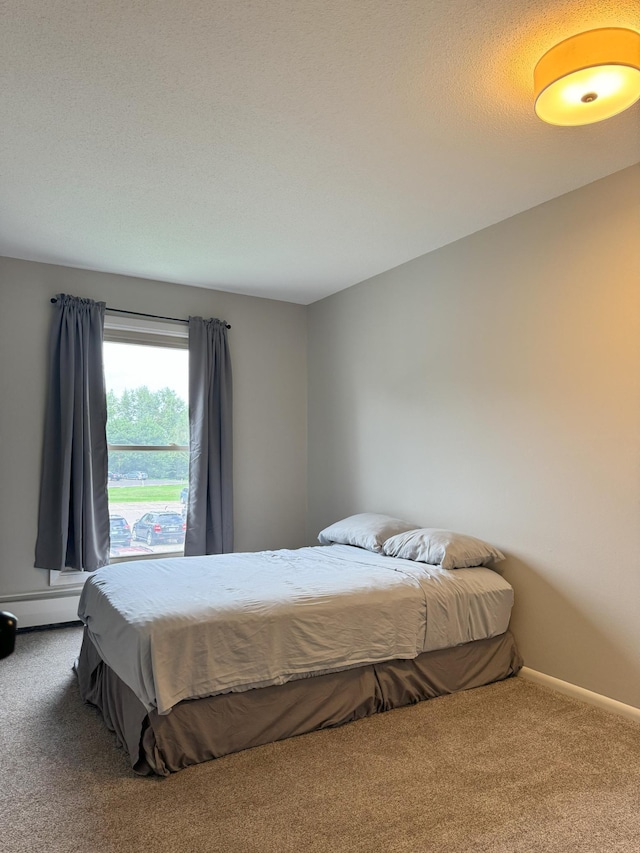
(8, 625)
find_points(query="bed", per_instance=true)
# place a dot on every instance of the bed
(193, 658)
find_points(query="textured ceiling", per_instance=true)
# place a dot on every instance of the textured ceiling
(282, 148)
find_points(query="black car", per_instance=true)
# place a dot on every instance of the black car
(156, 527)
(119, 531)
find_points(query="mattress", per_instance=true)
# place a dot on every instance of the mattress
(186, 628)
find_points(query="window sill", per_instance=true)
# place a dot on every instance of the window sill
(77, 579)
(138, 557)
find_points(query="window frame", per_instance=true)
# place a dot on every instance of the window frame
(146, 332)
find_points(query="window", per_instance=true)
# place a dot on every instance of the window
(146, 375)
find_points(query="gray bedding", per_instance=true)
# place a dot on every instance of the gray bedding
(202, 729)
(186, 628)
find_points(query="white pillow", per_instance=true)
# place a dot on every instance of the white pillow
(366, 530)
(441, 548)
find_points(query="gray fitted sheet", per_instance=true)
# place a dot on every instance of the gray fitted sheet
(201, 729)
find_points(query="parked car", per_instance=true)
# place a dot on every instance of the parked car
(137, 475)
(119, 531)
(113, 475)
(155, 527)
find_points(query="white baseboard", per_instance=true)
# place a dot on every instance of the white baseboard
(42, 611)
(588, 696)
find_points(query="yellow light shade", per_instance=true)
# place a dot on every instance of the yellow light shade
(588, 77)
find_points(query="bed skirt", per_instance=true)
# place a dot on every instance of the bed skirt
(197, 730)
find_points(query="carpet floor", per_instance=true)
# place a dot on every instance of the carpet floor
(507, 768)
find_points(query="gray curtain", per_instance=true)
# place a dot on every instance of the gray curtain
(210, 510)
(73, 520)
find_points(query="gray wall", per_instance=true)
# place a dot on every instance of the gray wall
(493, 387)
(268, 351)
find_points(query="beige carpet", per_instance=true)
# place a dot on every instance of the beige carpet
(507, 768)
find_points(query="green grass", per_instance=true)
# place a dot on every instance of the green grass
(137, 494)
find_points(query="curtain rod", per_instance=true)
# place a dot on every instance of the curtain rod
(140, 314)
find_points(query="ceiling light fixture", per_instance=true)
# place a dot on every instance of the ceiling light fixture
(588, 77)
